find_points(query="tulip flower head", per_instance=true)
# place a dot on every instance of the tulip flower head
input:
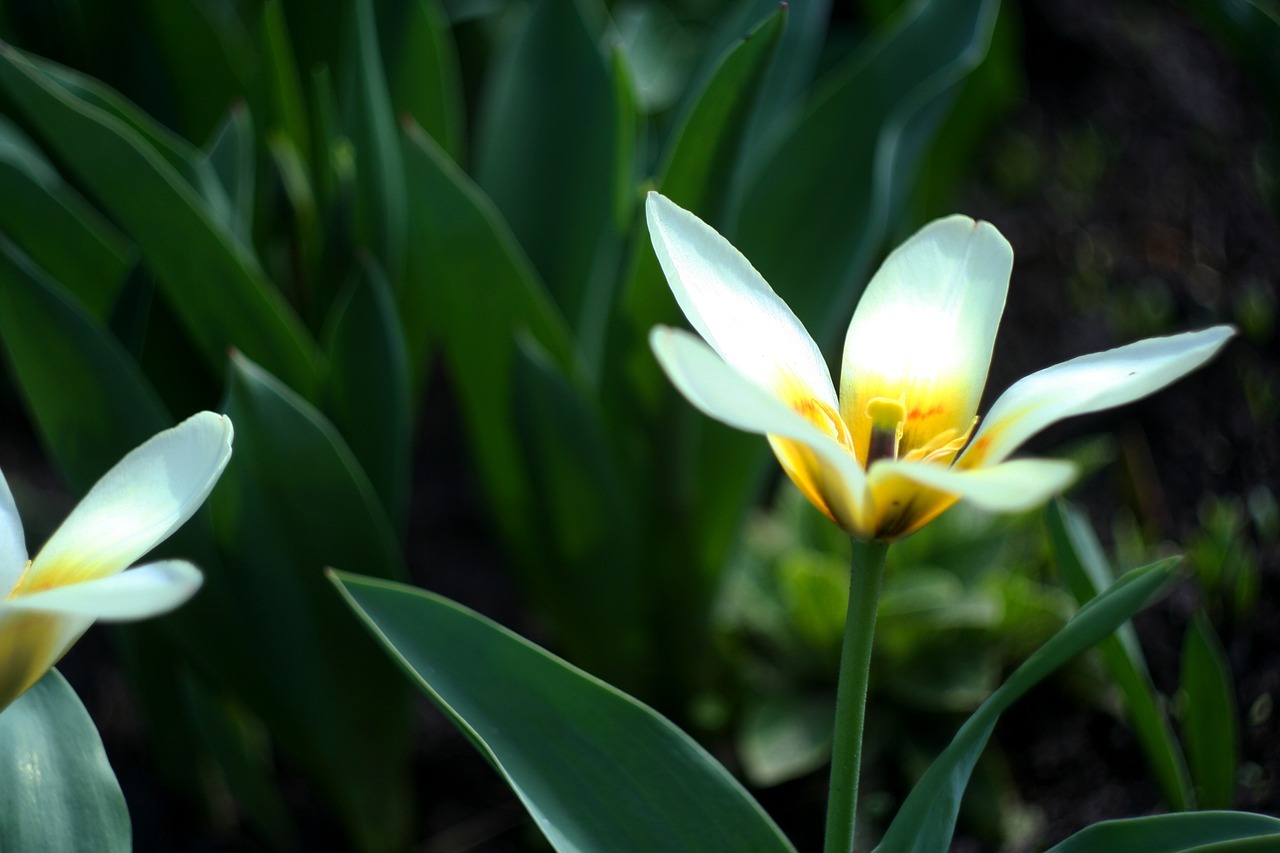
(902, 442)
(78, 576)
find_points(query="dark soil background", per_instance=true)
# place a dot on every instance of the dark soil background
(1128, 183)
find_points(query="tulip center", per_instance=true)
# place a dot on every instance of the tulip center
(891, 419)
(888, 420)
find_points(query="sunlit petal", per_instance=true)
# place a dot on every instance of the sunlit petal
(1086, 384)
(30, 643)
(139, 593)
(827, 472)
(1014, 486)
(13, 547)
(732, 307)
(136, 504)
(924, 329)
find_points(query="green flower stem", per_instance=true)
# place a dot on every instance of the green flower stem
(866, 573)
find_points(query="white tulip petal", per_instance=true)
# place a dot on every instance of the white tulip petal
(137, 504)
(925, 327)
(732, 306)
(1087, 384)
(726, 395)
(139, 593)
(13, 545)
(1015, 486)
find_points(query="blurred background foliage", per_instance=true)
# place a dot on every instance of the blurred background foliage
(308, 214)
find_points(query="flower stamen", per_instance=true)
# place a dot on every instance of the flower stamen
(888, 420)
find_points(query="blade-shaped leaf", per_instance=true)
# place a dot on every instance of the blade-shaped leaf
(286, 112)
(381, 206)
(927, 819)
(368, 388)
(57, 789)
(588, 573)
(1084, 567)
(1209, 725)
(426, 82)
(547, 150)
(472, 284)
(292, 500)
(231, 154)
(1174, 833)
(61, 231)
(211, 279)
(595, 768)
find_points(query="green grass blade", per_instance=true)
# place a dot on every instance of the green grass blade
(1172, 833)
(1209, 724)
(596, 769)
(1084, 568)
(927, 819)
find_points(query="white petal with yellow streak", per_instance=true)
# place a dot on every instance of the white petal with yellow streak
(1087, 384)
(726, 395)
(732, 306)
(924, 330)
(13, 547)
(1015, 486)
(136, 505)
(139, 593)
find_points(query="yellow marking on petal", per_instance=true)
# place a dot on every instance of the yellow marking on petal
(903, 506)
(26, 651)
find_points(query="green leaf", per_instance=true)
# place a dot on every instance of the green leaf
(88, 399)
(927, 819)
(547, 152)
(61, 231)
(368, 390)
(231, 154)
(1173, 833)
(822, 203)
(292, 500)
(286, 113)
(587, 574)
(211, 279)
(596, 769)
(1209, 725)
(426, 81)
(471, 283)
(700, 159)
(381, 206)
(57, 790)
(206, 53)
(1085, 570)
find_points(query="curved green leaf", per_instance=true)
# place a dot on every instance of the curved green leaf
(547, 151)
(211, 279)
(292, 500)
(381, 205)
(1209, 725)
(57, 789)
(470, 282)
(426, 82)
(1084, 568)
(927, 819)
(595, 768)
(61, 231)
(367, 395)
(1172, 833)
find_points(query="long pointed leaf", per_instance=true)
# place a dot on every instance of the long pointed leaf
(1172, 833)
(1209, 724)
(595, 768)
(1084, 568)
(927, 819)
